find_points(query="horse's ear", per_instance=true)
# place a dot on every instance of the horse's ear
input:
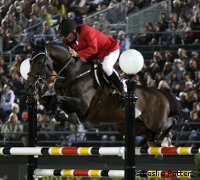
(39, 46)
(43, 43)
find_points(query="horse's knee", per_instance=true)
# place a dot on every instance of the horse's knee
(49, 102)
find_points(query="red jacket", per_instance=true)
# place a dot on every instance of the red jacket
(93, 44)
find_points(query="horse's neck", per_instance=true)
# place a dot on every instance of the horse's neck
(82, 66)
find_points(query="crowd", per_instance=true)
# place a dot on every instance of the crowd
(178, 71)
(181, 27)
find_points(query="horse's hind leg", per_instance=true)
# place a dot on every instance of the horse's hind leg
(167, 141)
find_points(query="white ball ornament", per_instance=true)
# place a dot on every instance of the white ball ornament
(25, 68)
(131, 61)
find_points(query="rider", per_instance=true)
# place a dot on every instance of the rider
(88, 43)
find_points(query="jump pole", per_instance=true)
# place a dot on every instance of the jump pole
(130, 130)
(96, 151)
(32, 133)
(172, 174)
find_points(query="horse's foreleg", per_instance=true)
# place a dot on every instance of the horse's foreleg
(167, 141)
(57, 115)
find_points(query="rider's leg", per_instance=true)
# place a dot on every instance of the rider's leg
(107, 65)
(57, 115)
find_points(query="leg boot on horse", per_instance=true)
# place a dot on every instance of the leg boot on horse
(115, 79)
(57, 115)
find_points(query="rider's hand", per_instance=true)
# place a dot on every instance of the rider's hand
(73, 52)
(53, 76)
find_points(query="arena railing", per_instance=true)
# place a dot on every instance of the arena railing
(136, 22)
(65, 138)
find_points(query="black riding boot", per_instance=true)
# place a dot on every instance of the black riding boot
(114, 78)
(57, 115)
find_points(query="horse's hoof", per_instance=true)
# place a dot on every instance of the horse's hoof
(73, 119)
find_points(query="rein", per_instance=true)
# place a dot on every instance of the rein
(65, 66)
(77, 77)
(68, 61)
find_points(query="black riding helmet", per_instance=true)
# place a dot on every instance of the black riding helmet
(66, 26)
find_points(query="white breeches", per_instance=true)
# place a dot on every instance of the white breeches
(109, 61)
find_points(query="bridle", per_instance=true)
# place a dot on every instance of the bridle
(40, 77)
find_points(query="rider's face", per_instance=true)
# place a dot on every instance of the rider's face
(70, 37)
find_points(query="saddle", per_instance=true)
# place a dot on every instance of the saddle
(102, 78)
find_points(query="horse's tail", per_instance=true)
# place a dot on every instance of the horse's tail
(175, 106)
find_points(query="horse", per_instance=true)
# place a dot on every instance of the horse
(80, 92)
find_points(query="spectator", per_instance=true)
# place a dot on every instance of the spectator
(4, 8)
(163, 85)
(197, 81)
(35, 9)
(194, 128)
(195, 57)
(158, 77)
(18, 11)
(182, 54)
(193, 97)
(184, 101)
(154, 69)
(192, 67)
(157, 39)
(104, 25)
(158, 59)
(196, 107)
(12, 129)
(186, 10)
(48, 32)
(131, 7)
(23, 21)
(124, 41)
(33, 23)
(1, 41)
(182, 30)
(46, 16)
(178, 69)
(167, 69)
(7, 101)
(168, 56)
(163, 22)
(149, 81)
(77, 18)
(15, 66)
(3, 64)
(16, 110)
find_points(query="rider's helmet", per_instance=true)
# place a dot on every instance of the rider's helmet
(66, 26)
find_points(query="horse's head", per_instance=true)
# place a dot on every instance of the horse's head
(56, 57)
(39, 74)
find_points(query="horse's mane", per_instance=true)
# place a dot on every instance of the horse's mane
(56, 44)
(61, 46)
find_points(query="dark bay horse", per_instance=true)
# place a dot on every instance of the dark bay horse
(81, 93)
